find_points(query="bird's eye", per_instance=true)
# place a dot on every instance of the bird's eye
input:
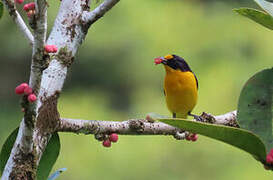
(168, 57)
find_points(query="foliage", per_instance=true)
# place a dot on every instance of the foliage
(255, 106)
(47, 161)
(265, 19)
(257, 16)
(1, 9)
(6, 149)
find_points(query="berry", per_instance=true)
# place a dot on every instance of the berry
(20, 89)
(48, 48)
(194, 137)
(188, 138)
(269, 157)
(113, 137)
(28, 90)
(29, 6)
(19, 1)
(106, 143)
(54, 48)
(157, 60)
(31, 98)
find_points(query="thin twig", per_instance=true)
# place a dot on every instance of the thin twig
(91, 17)
(18, 20)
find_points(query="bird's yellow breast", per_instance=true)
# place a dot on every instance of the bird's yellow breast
(180, 90)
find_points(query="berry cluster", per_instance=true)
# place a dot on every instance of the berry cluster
(26, 90)
(30, 9)
(192, 137)
(112, 138)
(50, 48)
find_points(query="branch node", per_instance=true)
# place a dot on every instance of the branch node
(180, 135)
(136, 125)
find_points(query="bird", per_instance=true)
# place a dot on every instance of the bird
(180, 86)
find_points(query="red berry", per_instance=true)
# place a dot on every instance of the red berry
(188, 138)
(113, 137)
(194, 137)
(19, 1)
(49, 48)
(31, 6)
(31, 98)
(54, 48)
(28, 90)
(25, 7)
(20, 89)
(157, 60)
(106, 143)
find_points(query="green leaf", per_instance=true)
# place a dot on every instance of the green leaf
(6, 149)
(1, 9)
(49, 157)
(265, 5)
(258, 16)
(239, 138)
(255, 106)
(47, 161)
(56, 174)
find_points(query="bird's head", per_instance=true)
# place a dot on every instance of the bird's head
(173, 62)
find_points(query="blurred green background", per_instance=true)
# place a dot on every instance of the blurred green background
(114, 78)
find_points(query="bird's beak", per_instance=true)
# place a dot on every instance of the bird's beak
(160, 60)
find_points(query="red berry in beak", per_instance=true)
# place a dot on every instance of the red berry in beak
(158, 60)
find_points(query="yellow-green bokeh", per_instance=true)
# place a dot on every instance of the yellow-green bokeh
(223, 49)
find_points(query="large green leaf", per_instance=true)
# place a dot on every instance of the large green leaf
(1, 9)
(257, 16)
(49, 157)
(239, 138)
(265, 5)
(255, 106)
(6, 149)
(47, 161)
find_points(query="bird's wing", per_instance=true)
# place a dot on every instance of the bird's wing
(196, 80)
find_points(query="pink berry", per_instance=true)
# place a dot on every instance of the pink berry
(31, 98)
(19, 1)
(25, 7)
(157, 60)
(20, 89)
(113, 137)
(48, 48)
(31, 6)
(194, 137)
(54, 48)
(106, 143)
(28, 90)
(188, 138)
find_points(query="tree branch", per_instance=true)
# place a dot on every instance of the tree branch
(133, 126)
(9, 4)
(91, 17)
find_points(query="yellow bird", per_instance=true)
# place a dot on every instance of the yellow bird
(180, 86)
